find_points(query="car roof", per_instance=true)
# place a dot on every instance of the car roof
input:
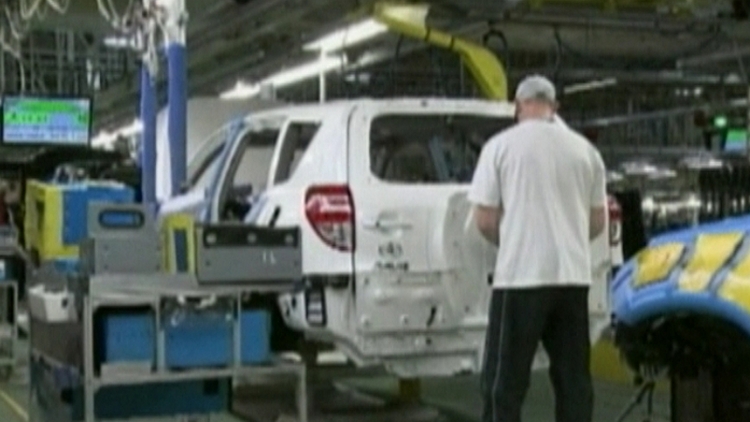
(345, 105)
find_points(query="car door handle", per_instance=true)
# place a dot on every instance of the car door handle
(387, 224)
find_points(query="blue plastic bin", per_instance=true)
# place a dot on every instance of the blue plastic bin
(67, 266)
(66, 403)
(157, 400)
(255, 335)
(128, 337)
(195, 339)
(76, 199)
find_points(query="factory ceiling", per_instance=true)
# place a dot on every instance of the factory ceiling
(230, 40)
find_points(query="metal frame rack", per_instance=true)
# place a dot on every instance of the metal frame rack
(149, 290)
(8, 297)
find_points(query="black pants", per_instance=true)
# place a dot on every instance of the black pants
(518, 320)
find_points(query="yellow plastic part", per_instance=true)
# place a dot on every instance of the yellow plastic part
(712, 252)
(409, 20)
(43, 222)
(655, 264)
(736, 287)
(172, 226)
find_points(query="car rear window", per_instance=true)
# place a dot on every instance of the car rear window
(439, 148)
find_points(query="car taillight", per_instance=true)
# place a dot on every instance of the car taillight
(330, 211)
(615, 221)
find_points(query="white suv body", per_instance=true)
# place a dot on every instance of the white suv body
(396, 274)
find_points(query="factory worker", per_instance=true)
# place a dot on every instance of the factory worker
(539, 194)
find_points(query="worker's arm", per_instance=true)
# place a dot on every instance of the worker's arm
(488, 222)
(485, 194)
(598, 212)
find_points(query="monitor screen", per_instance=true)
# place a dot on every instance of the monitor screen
(736, 140)
(46, 121)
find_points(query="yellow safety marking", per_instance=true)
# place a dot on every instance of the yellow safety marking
(14, 406)
(712, 252)
(736, 287)
(654, 264)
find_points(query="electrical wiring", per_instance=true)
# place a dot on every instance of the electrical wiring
(16, 54)
(41, 12)
(103, 10)
(59, 6)
(109, 12)
(113, 10)
(28, 12)
(10, 24)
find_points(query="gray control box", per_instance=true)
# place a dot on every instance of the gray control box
(122, 239)
(234, 253)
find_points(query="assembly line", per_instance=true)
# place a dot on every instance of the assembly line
(373, 234)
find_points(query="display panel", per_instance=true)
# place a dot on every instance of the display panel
(50, 121)
(736, 140)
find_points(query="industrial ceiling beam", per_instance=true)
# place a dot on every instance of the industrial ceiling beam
(713, 58)
(203, 63)
(666, 6)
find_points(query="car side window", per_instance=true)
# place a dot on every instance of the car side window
(294, 145)
(248, 172)
(256, 152)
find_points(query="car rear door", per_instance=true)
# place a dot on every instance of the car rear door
(419, 156)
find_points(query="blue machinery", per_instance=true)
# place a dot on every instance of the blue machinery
(681, 307)
(148, 145)
(172, 14)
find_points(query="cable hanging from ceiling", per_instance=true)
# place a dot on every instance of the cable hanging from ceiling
(142, 23)
(15, 21)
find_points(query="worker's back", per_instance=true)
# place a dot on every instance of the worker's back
(548, 174)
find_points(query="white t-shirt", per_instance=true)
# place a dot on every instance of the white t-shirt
(546, 178)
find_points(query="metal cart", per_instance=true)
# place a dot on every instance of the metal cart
(127, 291)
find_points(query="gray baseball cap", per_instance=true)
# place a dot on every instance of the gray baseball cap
(536, 87)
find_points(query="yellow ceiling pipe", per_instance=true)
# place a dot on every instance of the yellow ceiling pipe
(410, 21)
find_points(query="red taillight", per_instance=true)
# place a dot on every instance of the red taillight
(615, 221)
(330, 211)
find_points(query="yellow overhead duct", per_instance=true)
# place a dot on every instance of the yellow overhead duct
(411, 21)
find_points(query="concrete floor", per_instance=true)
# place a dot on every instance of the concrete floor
(457, 397)
(460, 398)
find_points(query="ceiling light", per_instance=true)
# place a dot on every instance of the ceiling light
(348, 36)
(116, 41)
(285, 77)
(106, 138)
(305, 71)
(589, 86)
(240, 91)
